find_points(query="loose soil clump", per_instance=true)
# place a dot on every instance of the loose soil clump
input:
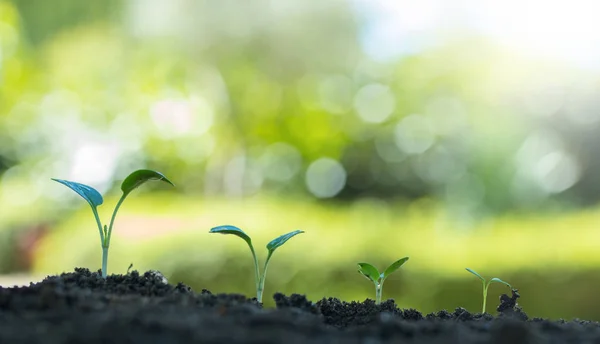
(82, 307)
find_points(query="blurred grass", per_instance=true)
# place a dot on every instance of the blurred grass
(551, 259)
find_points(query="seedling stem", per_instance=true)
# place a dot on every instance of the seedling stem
(94, 199)
(378, 288)
(486, 285)
(373, 275)
(271, 246)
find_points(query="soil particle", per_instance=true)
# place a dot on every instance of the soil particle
(82, 307)
(509, 308)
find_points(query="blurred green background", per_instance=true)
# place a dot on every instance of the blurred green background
(461, 134)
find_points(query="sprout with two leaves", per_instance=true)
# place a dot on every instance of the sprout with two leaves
(271, 247)
(486, 285)
(93, 197)
(372, 274)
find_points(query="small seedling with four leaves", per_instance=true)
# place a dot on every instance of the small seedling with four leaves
(271, 246)
(372, 274)
(486, 285)
(93, 197)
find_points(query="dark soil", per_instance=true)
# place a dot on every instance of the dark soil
(81, 307)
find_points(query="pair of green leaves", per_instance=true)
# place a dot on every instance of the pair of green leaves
(271, 246)
(371, 272)
(94, 198)
(495, 279)
(135, 179)
(486, 285)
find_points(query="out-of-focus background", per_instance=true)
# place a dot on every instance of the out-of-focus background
(460, 133)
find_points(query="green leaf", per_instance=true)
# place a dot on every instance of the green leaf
(275, 243)
(93, 197)
(476, 274)
(139, 177)
(369, 271)
(395, 266)
(499, 281)
(227, 229)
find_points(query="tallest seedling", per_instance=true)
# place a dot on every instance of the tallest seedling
(94, 198)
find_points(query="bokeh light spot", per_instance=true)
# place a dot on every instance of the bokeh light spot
(414, 134)
(325, 177)
(557, 171)
(280, 162)
(374, 103)
(182, 117)
(94, 163)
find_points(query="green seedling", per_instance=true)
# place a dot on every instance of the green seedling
(486, 286)
(271, 247)
(93, 197)
(373, 275)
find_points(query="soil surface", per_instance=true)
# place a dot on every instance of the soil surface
(81, 307)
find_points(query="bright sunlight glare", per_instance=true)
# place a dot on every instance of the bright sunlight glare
(559, 29)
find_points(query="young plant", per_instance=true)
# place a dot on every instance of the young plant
(271, 247)
(486, 286)
(372, 274)
(93, 197)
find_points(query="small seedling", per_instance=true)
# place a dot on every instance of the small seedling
(486, 286)
(93, 197)
(372, 274)
(271, 246)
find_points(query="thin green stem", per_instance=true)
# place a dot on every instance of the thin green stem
(263, 277)
(485, 289)
(102, 241)
(256, 274)
(112, 221)
(99, 225)
(104, 261)
(378, 290)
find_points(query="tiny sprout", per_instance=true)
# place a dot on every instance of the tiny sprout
(372, 274)
(486, 285)
(271, 246)
(93, 197)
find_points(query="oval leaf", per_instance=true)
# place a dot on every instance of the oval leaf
(369, 271)
(139, 177)
(93, 197)
(227, 229)
(476, 274)
(500, 281)
(275, 243)
(395, 266)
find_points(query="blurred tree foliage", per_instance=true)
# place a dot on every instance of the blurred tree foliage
(225, 102)
(243, 97)
(41, 20)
